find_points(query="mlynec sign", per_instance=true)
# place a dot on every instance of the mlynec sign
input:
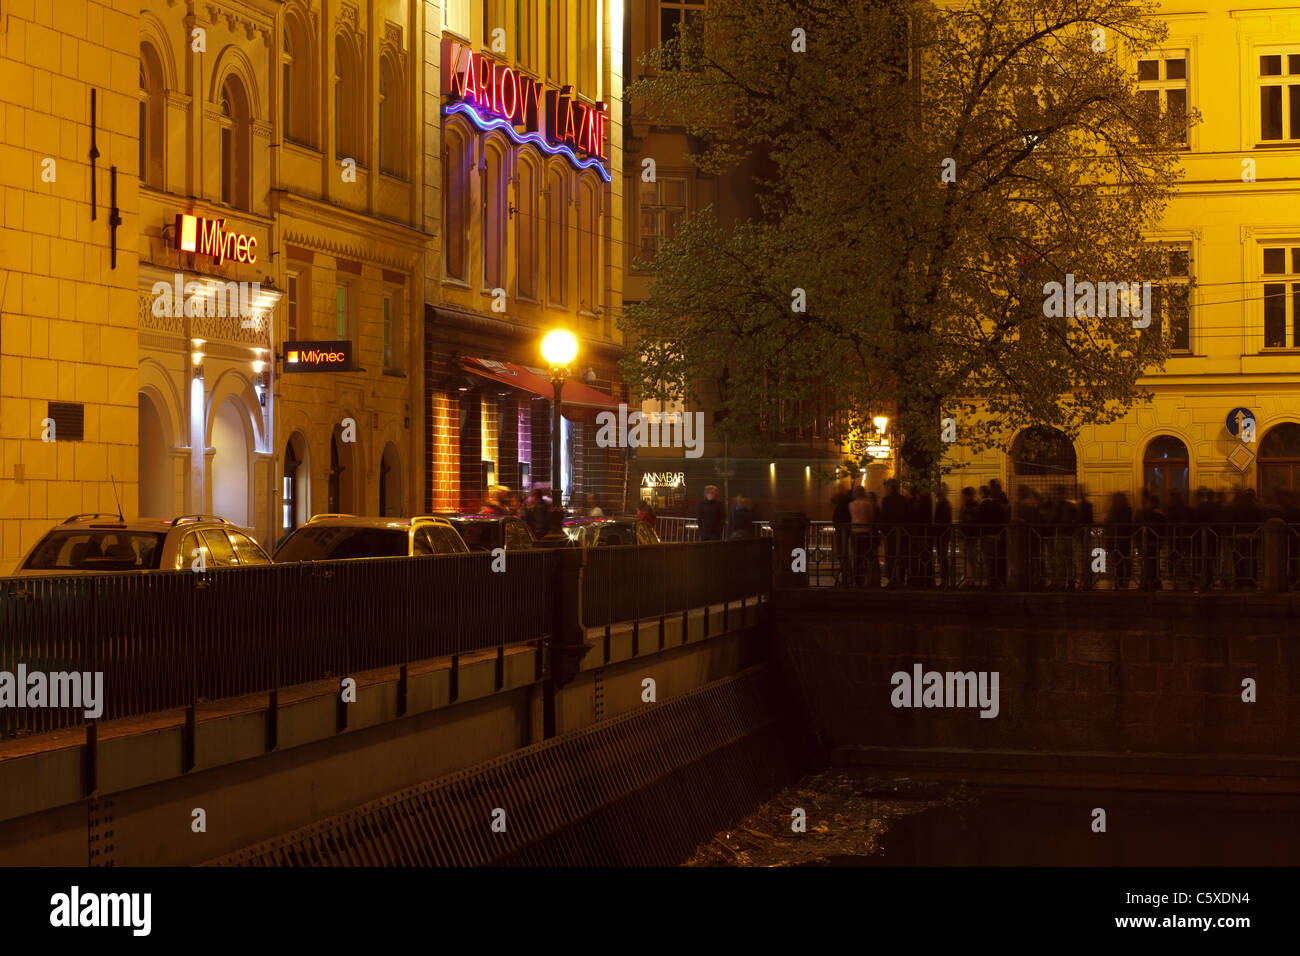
(318, 356)
(208, 237)
(498, 90)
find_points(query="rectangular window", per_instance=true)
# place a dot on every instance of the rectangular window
(525, 32)
(1171, 299)
(588, 54)
(1282, 297)
(342, 310)
(292, 315)
(663, 207)
(1163, 84)
(1279, 97)
(394, 328)
(557, 32)
(673, 15)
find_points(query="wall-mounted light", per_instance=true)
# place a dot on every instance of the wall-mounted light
(880, 421)
(197, 359)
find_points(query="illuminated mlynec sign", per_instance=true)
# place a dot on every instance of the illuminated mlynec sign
(318, 356)
(208, 237)
(497, 90)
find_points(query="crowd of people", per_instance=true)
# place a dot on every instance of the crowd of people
(715, 523)
(910, 538)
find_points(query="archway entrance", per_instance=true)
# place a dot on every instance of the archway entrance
(296, 490)
(156, 496)
(390, 483)
(1279, 462)
(1043, 459)
(1165, 467)
(230, 463)
(342, 496)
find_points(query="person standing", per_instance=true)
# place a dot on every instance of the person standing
(594, 509)
(943, 537)
(711, 515)
(866, 570)
(893, 513)
(742, 518)
(842, 520)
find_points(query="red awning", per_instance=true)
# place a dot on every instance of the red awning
(579, 401)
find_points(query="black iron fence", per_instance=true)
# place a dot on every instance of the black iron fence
(1039, 556)
(631, 583)
(176, 639)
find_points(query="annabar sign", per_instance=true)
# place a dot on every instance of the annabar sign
(495, 89)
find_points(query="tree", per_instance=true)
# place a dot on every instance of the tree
(933, 169)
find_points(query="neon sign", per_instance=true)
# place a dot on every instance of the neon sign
(495, 96)
(318, 356)
(208, 237)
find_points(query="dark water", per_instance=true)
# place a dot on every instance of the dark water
(857, 820)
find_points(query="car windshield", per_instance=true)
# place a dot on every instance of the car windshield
(479, 535)
(331, 542)
(96, 549)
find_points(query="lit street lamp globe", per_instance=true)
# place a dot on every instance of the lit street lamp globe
(559, 348)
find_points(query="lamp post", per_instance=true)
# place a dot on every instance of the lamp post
(559, 348)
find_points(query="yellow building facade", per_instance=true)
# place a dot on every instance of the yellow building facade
(68, 322)
(1234, 224)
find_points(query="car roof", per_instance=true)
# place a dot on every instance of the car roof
(373, 521)
(103, 522)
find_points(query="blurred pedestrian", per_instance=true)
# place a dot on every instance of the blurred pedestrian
(943, 537)
(1150, 524)
(892, 516)
(538, 513)
(1119, 522)
(594, 510)
(866, 569)
(742, 518)
(711, 516)
(646, 513)
(842, 521)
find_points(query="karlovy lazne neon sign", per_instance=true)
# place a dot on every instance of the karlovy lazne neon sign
(495, 96)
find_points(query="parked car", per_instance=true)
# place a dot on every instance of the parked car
(330, 537)
(88, 543)
(483, 532)
(596, 532)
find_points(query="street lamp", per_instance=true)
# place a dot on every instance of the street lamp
(559, 348)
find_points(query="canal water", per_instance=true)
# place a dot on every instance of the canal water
(853, 819)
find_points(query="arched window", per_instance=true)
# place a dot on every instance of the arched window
(295, 74)
(236, 145)
(1042, 458)
(526, 230)
(1164, 467)
(456, 198)
(557, 229)
(349, 120)
(392, 119)
(493, 218)
(152, 113)
(588, 247)
(1279, 461)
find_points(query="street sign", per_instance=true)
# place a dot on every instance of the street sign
(318, 356)
(1237, 417)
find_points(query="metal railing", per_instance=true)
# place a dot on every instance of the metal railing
(1193, 557)
(171, 639)
(631, 582)
(176, 639)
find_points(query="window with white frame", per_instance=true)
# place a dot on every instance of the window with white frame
(1163, 83)
(1279, 97)
(662, 209)
(1171, 298)
(1281, 269)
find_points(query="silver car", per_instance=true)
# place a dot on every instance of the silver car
(89, 543)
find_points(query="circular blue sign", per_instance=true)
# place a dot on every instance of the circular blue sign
(1237, 416)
